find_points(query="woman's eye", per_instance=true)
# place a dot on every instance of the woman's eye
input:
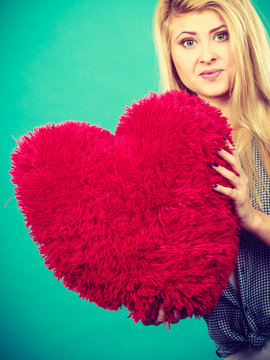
(187, 42)
(191, 42)
(222, 36)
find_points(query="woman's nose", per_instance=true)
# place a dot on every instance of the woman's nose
(207, 55)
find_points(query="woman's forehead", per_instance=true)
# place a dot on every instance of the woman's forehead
(196, 20)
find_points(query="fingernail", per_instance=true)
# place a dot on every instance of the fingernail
(219, 149)
(214, 185)
(147, 322)
(215, 164)
(224, 137)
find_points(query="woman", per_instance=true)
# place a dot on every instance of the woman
(218, 50)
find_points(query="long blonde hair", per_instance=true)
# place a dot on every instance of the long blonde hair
(250, 88)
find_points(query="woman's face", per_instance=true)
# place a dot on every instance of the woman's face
(201, 53)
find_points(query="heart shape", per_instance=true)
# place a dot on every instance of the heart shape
(127, 218)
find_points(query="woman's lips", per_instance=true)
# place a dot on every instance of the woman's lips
(211, 76)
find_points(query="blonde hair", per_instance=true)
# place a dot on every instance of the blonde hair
(250, 88)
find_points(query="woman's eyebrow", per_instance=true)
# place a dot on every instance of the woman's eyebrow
(194, 33)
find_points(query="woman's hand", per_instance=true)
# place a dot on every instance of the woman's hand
(161, 314)
(240, 191)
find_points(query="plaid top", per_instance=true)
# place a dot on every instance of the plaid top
(242, 318)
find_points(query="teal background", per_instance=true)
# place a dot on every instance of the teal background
(86, 61)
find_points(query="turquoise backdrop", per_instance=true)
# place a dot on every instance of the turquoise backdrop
(83, 60)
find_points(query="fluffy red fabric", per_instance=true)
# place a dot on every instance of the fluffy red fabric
(126, 218)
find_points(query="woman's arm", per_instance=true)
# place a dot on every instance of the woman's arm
(250, 219)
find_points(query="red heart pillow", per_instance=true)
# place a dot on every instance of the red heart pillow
(127, 218)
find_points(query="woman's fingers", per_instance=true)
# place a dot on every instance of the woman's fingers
(237, 177)
(160, 316)
(149, 321)
(225, 191)
(232, 159)
(179, 315)
(176, 316)
(229, 175)
(239, 192)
